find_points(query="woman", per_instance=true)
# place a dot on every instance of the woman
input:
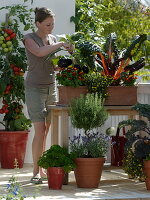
(40, 81)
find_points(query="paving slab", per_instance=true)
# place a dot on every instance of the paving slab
(114, 185)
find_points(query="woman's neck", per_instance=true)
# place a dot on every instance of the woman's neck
(42, 35)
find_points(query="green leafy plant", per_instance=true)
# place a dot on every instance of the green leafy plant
(57, 156)
(13, 66)
(133, 166)
(14, 190)
(87, 113)
(97, 19)
(117, 67)
(110, 61)
(140, 143)
(96, 83)
(70, 74)
(91, 145)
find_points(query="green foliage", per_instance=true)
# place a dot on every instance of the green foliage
(111, 61)
(57, 156)
(88, 112)
(91, 145)
(70, 76)
(97, 19)
(14, 190)
(140, 143)
(96, 83)
(13, 66)
(133, 166)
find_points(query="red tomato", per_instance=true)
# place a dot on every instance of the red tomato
(8, 31)
(8, 38)
(16, 69)
(13, 35)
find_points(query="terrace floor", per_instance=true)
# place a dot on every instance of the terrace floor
(114, 185)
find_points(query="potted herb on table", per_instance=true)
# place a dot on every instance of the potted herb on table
(88, 113)
(57, 161)
(13, 65)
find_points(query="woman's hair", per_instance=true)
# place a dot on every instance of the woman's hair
(42, 13)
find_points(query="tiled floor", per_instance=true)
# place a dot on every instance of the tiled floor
(114, 185)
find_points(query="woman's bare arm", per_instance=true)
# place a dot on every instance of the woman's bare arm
(44, 50)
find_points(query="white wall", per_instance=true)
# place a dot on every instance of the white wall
(63, 10)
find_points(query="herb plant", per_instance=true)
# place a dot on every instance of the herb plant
(88, 113)
(57, 156)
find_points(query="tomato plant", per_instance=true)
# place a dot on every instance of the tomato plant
(13, 66)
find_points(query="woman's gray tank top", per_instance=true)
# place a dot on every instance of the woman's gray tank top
(40, 71)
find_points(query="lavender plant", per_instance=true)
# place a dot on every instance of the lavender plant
(92, 145)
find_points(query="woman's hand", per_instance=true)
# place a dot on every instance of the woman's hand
(69, 47)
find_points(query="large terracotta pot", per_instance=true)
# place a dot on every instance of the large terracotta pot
(117, 95)
(88, 172)
(121, 96)
(147, 173)
(12, 148)
(55, 177)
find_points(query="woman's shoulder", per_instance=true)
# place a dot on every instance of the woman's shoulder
(29, 35)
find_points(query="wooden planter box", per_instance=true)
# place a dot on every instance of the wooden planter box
(66, 93)
(121, 96)
(118, 95)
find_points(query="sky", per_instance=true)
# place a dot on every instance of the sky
(146, 2)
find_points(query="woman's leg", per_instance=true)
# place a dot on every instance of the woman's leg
(42, 171)
(37, 144)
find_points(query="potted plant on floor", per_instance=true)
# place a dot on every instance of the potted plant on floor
(57, 161)
(139, 142)
(13, 65)
(89, 149)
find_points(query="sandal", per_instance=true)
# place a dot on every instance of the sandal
(44, 178)
(36, 180)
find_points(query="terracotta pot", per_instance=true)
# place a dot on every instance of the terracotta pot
(66, 93)
(88, 172)
(147, 173)
(121, 96)
(12, 147)
(55, 177)
(147, 182)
